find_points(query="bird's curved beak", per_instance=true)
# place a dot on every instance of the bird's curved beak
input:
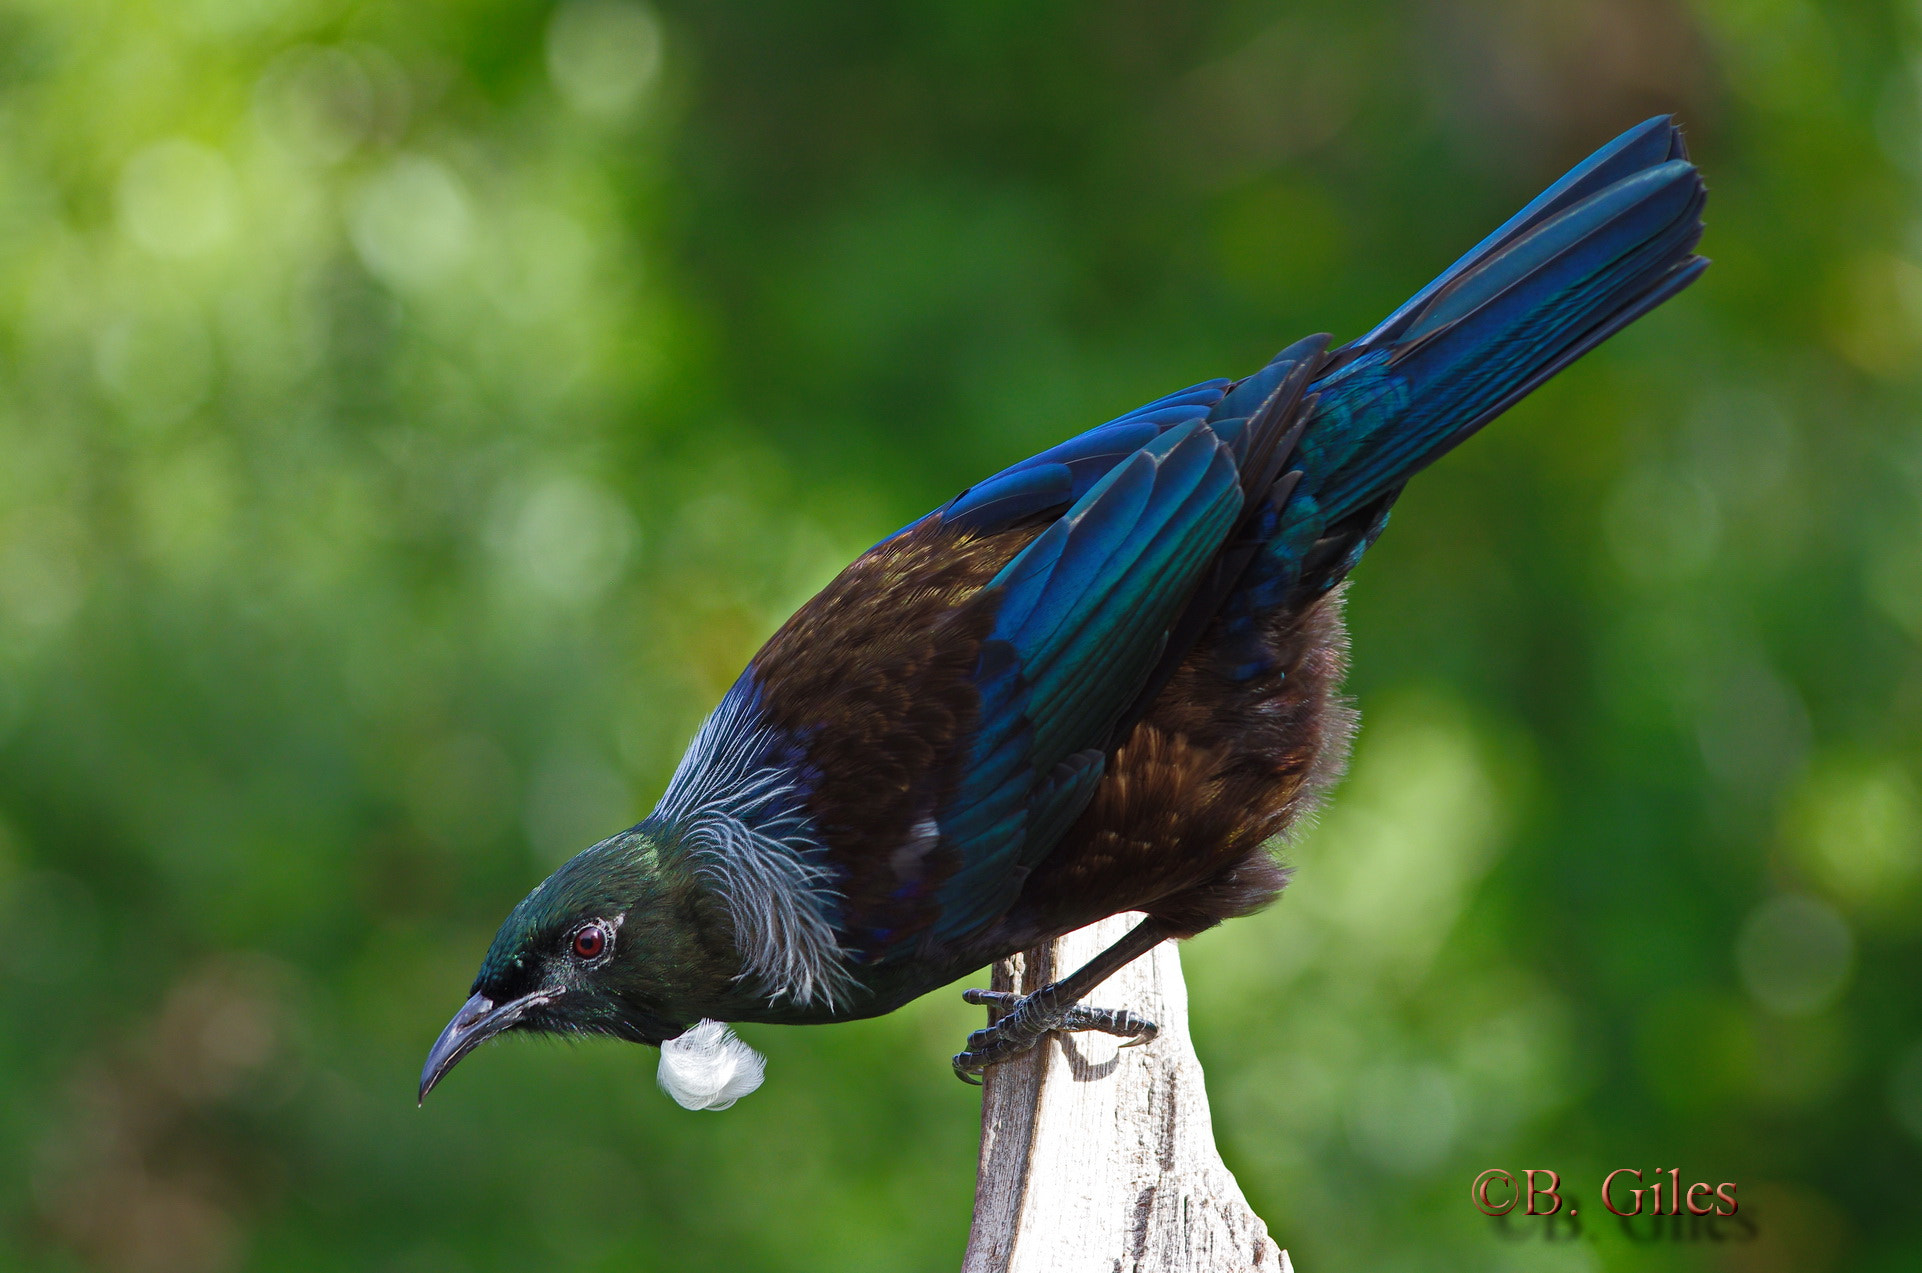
(478, 1020)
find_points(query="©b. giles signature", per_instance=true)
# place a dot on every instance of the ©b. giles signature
(1700, 1211)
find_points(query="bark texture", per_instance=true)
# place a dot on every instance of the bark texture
(1095, 1157)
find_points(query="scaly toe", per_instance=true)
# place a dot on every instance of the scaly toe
(1117, 1021)
(990, 998)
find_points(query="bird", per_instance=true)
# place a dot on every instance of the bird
(1105, 680)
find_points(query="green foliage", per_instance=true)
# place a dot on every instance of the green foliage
(414, 414)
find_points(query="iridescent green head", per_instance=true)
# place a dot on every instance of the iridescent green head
(614, 943)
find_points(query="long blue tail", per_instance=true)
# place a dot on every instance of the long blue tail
(1324, 441)
(1610, 241)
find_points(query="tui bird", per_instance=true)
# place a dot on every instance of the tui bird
(1103, 680)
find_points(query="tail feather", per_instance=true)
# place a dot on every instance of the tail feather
(1600, 248)
(1610, 241)
(1651, 142)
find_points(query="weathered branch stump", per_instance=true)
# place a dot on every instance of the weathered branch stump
(1098, 1157)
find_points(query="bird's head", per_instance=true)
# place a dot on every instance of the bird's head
(612, 943)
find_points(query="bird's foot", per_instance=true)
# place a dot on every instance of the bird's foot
(1027, 1019)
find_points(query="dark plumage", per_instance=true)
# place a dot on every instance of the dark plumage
(1105, 679)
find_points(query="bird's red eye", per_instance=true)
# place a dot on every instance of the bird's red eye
(590, 942)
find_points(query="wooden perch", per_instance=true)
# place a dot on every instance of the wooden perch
(1095, 1157)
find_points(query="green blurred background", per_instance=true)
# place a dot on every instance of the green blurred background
(413, 414)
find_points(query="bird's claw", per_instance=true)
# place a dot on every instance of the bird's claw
(1024, 1020)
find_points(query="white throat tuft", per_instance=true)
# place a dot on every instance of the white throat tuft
(709, 1068)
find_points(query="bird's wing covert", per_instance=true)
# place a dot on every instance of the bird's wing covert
(1083, 612)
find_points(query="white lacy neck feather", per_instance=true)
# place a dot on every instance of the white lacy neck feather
(709, 1068)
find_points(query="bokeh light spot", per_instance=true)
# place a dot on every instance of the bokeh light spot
(318, 103)
(176, 198)
(1663, 527)
(603, 54)
(1905, 1091)
(157, 368)
(1794, 954)
(565, 539)
(411, 222)
(1855, 826)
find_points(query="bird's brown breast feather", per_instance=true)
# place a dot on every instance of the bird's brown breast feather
(876, 673)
